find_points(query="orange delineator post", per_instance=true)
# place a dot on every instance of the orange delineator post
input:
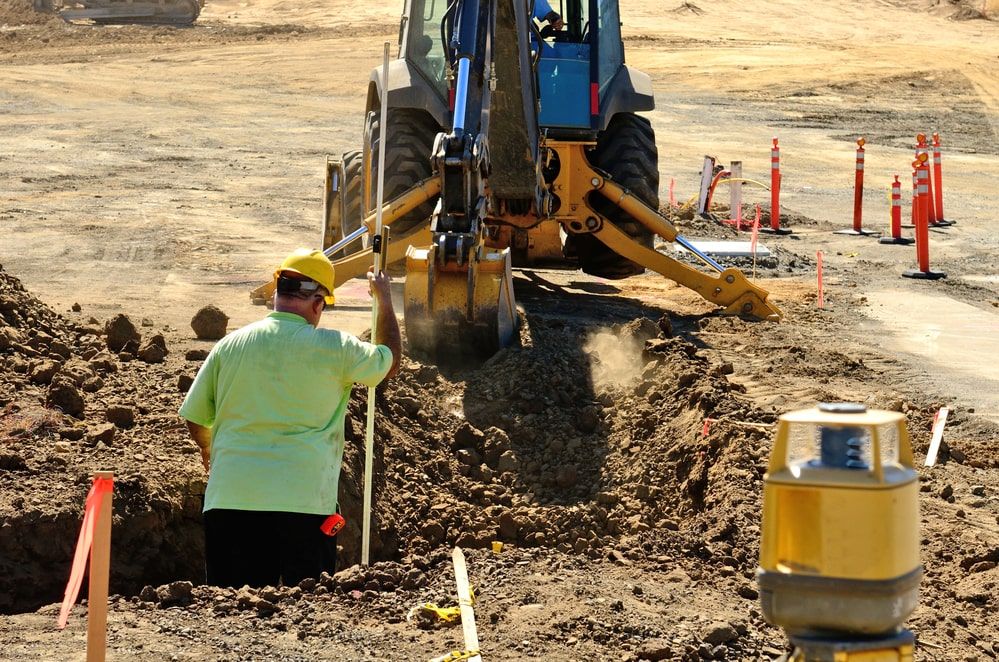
(858, 195)
(858, 189)
(775, 186)
(896, 216)
(922, 224)
(923, 148)
(775, 179)
(938, 178)
(915, 198)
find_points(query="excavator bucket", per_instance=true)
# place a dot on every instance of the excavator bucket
(454, 310)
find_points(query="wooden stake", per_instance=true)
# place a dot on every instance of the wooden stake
(939, 421)
(465, 603)
(100, 566)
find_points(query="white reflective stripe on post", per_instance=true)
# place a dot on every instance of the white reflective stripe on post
(896, 202)
(860, 166)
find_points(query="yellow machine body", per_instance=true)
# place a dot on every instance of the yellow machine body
(839, 548)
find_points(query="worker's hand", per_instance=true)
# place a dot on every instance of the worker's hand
(206, 458)
(380, 286)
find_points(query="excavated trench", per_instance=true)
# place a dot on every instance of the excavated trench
(585, 433)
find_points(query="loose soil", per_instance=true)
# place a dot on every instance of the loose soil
(169, 169)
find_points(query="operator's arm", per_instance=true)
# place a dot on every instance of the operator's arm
(387, 330)
(203, 438)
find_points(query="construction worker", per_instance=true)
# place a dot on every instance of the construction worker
(267, 410)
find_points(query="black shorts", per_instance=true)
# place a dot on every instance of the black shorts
(260, 548)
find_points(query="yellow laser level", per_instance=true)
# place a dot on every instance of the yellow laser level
(839, 550)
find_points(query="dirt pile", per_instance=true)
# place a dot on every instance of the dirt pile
(22, 12)
(69, 407)
(552, 444)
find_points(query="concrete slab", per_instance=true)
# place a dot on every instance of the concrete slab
(726, 248)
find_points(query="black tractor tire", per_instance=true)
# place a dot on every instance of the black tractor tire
(411, 135)
(353, 216)
(626, 150)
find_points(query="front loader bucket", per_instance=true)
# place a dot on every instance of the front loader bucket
(459, 310)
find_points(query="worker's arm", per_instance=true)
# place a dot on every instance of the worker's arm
(387, 330)
(203, 438)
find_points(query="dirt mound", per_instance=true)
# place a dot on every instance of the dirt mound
(47, 453)
(21, 12)
(580, 439)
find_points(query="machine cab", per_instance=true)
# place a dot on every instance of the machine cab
(578, 62)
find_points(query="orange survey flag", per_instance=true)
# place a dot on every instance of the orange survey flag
(100, 488)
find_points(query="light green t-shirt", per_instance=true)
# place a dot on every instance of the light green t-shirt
(274, 394)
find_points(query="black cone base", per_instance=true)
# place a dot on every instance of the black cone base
(857, 233)
(924, 275)
(901, 241)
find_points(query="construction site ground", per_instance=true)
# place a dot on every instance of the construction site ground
(152, 171)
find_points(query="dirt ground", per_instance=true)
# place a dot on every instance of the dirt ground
(151, 171)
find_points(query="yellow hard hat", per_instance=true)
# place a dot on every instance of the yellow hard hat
(313, 265)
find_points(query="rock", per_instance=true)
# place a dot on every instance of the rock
(719, 633)
(125, 357)
(686, 379)
(44, 372)
(748, 592)
(77, 372)
(507, 462)
(467, 436)
(153, 350)
(103, 433)
(184, 383)
(76, 307)
(12, 462)
(65, 397)
(679, 576)
(174, 593)
(655, 649)
(104, 362)
(947, 492)
(433, 533)
(210, 323)
(982, 566)
(146, 321)
(71, 433)
(196, 354)
(148, 594)
(120, 415)
(120, 331)
(508, 525)
(588, 419)
(566, 476)
(60, 348)
(62, 447)
(265, 607)
(93, 384)
(350, 578)
(410, 406)
(9, 337)
(665, 326)
(468, 456)
(978, 490)
(308, 584)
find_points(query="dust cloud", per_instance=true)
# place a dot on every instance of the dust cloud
(615, 358)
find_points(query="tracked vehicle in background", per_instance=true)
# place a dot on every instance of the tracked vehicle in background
(118, 12)
(508, 143)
